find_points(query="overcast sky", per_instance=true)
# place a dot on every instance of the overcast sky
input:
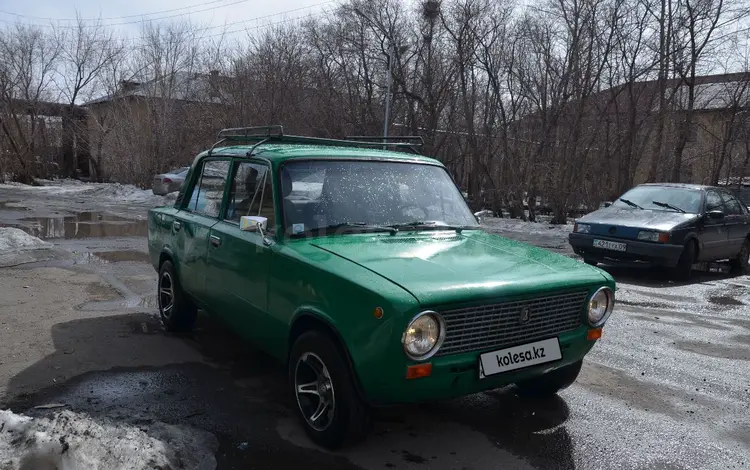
(238, 15)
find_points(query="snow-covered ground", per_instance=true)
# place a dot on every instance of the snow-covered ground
(65, 440)
(111, 192)
(532, 228)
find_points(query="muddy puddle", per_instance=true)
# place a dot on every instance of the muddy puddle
(82, 225)
(113, 256)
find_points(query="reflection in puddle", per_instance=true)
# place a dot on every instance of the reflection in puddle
(83, 225)
(12, 206)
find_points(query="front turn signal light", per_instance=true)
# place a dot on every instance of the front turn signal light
(594, 334)
(418, 371)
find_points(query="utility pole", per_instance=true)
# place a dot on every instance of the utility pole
(388, 95)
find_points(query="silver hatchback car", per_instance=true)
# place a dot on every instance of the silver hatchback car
(170, 181)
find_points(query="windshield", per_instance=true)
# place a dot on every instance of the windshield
(325, 193)
(660, 198)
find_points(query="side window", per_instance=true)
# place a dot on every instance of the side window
(209, 190)
(732, 204)
(713, 202)
(251, 193)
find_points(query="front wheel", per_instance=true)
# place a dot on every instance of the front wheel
(550, 383)
(741, 263)
(328, 404)
(684, 268)
(176, 310)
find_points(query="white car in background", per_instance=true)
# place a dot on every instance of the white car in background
(170, 181)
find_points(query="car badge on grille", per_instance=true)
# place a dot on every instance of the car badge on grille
(612, 229)
(525, 315)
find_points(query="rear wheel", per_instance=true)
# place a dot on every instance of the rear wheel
(741, 262)
(328, 405)
(176, 310)
(550, 383)
(684, 268)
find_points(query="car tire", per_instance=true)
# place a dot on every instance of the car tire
(319, 373)
(741, 263)
(550, 383)
(590, 262)
(684, 268)
(176, 310)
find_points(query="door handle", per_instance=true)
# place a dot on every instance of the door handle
(215, 241)
(177, 225)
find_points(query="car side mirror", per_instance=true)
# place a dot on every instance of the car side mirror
(607, 203)
(252, 223)
(480, 215)
(716, 214)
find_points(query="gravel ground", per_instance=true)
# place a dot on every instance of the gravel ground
(666, 387)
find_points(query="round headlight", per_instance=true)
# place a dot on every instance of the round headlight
(423, 336)
(600, 306)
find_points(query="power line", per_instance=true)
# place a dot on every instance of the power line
(114, 17)
(236, 2)
(288, 20)
(147, 20)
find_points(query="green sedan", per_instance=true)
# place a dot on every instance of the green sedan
(364, 271)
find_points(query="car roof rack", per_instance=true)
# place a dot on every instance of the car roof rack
(264, 134)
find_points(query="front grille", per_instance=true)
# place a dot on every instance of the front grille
(497, 326)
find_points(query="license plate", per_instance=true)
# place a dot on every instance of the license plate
(608, 245)
(518, 357)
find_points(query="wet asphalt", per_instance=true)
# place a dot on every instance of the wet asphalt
(668, 386)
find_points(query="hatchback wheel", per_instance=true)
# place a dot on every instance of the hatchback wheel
(176, 310)
(741, 263)
(550, 383)
(328, 404)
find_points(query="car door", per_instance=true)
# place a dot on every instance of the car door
(192, 224)
(240, 261)
(736, 223)
(713, 235)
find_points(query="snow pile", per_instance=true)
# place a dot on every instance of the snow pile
(13, 239)
(125, 193)
(105, 192)
(72, 441)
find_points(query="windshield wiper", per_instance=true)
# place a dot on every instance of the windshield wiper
(359, 226)
(424, 225)
(631, 203)
(668, 206)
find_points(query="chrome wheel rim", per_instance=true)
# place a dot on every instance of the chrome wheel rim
(314, 391)
(166, 294)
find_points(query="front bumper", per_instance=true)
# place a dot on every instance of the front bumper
(458, 375)
(638, 252)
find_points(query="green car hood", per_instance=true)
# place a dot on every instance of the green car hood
(446, 267)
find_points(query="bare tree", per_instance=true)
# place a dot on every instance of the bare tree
(87, 51)
(28, 57)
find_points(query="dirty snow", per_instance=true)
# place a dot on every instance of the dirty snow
(74, 441)
(13, 239)
(109, 192)
(533, 228)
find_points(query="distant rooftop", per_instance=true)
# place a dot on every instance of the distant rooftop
(181, 86)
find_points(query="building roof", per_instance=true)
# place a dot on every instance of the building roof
(278, 153)
(712, 92)
(180, 86)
